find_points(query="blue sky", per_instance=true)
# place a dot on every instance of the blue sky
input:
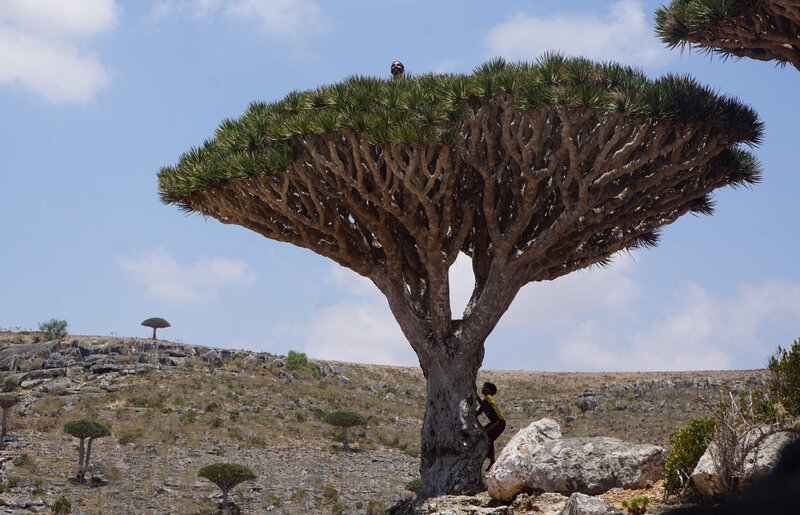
(96, 95)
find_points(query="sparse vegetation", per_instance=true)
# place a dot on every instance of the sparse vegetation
(687, 445)
(414, 485)
(54, 329)
(61, 506)
(155, 323)
(784, 378)
(83, 430)
(345, 420)
(7, 401)
(226, 476)
(636, 506)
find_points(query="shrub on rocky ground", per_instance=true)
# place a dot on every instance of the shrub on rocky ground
(53, 329)
(687, 445)
(784, 378)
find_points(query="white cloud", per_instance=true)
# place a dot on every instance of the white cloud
(42, 46)
(698, 331)
(288, 19)
(199, 282)
(623, 34)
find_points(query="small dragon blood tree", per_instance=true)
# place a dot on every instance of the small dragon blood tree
(226, 476)
(767, 30)
(83, 430)
(345, 420)
(533, 170)
(155, 323)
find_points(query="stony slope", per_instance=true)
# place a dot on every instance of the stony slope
(174, 408)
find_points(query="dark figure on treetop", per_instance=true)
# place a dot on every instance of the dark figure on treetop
(397, 69)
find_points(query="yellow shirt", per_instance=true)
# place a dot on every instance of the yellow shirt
(494, 407)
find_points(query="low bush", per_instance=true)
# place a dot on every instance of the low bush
(687, 445)
(415, 485)
(54, 329)
(636, 506)
(299, 361)
(784, 378)
(61, 506)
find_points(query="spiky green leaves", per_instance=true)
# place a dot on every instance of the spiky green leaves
(431, 109)
(226, 475)
(86, 428)
(760, 29)
(345, 419)
(156, 323)
(682, 19)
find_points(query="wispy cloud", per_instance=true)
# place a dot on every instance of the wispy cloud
(622, 34)
(595, 319)
(199, 282)
(288, 19)
(44, 47)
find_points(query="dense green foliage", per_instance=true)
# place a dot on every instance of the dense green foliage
(298, 361)
(156, 323)
(86, 428)
(226, 475)
(784, 382)
(415, 485)
(682, 19)
(54, 329)
(430, 109)
(687, 445)
(345, 419)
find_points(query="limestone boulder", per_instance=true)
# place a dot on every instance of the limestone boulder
(758, 463)
(541, 460)
(510, 473)
(582, 504)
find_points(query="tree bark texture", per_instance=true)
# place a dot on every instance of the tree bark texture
(768, 30)
(5, 426)
(345, 440)
(81, 475)
(529, 195)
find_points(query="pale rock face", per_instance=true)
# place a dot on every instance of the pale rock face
(757, 463)
(538, 458)
(509, 474)
(582, 504)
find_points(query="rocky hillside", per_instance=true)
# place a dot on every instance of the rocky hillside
(174, 408)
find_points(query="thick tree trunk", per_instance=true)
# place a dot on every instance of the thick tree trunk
(154, 333)
(225, 498)
(453, 442)
(345, 440)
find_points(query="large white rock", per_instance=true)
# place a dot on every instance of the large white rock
(757, 463)
(538, 458)
(582, 504)
(509, 474)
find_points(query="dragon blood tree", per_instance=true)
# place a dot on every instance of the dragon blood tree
(532, 170)
(766, 30)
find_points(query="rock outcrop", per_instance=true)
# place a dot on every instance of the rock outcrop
(757, 463)
(582, 504)
(540, 459)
